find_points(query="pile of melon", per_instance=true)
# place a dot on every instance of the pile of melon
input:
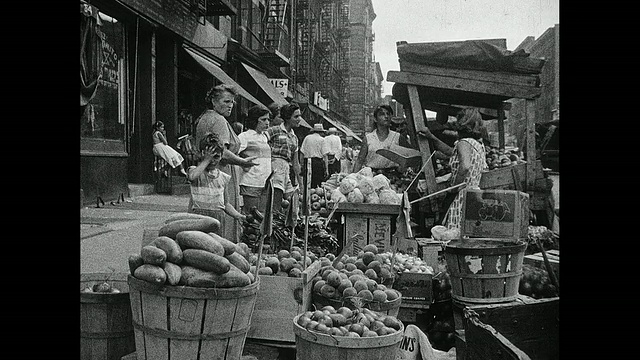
(347, 322)
(358, 277)
(284, 263)
(189, 252)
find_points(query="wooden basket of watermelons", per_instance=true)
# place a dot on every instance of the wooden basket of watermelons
(186, 277)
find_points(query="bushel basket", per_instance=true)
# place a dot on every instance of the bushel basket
(484, 270)
(312, 345)
(182, 322)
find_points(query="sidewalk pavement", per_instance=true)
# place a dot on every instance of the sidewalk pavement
(109, 234)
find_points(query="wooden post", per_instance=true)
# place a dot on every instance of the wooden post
(530, 113)
(501, 127)
(423, 144)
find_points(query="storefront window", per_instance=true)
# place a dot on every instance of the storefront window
(104, 116)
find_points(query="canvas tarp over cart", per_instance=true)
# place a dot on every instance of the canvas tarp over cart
(447, 76)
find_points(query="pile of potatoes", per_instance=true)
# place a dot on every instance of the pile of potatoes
(189, 252)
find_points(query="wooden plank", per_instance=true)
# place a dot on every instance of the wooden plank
(218, 318)
(280, 299)
(136, 315)
(362, 208)
(464, 85)
(154, 315)
(275, 306)
(491, 76)
(502, 178)
(485, 343)
(185, 316)
(532, 326)
(531, 143)
(501, 128)
(461, 345)
(417, 118)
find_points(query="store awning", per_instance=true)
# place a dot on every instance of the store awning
(342, 127)
(265, 84)
(219, 74)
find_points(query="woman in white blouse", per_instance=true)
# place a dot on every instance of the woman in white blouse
(380, 138)
(253, 142)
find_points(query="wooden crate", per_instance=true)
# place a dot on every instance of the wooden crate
(495, 214)
(416, 289)
(407, 314)
(375, 222)
(431, 250)
(279, 300)
(525, 329)
(512, 177)
(538, 261)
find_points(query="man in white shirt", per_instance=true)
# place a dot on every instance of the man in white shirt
(312, 148)
(333, 150)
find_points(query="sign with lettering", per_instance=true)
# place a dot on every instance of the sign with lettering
(281, 85)
(356, 224)
(380, 232)
(416, 288)
(319, 101)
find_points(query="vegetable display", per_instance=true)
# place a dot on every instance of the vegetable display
(188, 252)
(535, 282)
(359, 277)
(359, 322)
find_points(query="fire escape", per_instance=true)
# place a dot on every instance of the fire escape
(277, 40)
(342, 37)
(321, 62)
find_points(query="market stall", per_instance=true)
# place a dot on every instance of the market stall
(445, 77)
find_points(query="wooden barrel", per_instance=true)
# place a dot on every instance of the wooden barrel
(182, 322)
(387, 308)
(106, 332)
(484, 270)
(311, 345)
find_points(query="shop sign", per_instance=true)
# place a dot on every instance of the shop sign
(319, 101)
(281, 85)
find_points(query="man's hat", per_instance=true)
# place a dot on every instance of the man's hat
(333, 130)
(318, 128)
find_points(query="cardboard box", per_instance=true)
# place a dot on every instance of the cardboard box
(416, 289)
(495, 214)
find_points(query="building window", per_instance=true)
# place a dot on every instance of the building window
(102, 123)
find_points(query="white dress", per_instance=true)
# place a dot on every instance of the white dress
(166, 152)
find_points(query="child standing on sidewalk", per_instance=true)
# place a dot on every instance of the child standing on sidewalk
(208, 184)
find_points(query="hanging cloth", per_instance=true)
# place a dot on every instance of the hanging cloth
(90, 53)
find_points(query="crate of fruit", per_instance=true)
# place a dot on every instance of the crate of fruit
(413, 280)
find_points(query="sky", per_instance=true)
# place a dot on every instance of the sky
(416, 21)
